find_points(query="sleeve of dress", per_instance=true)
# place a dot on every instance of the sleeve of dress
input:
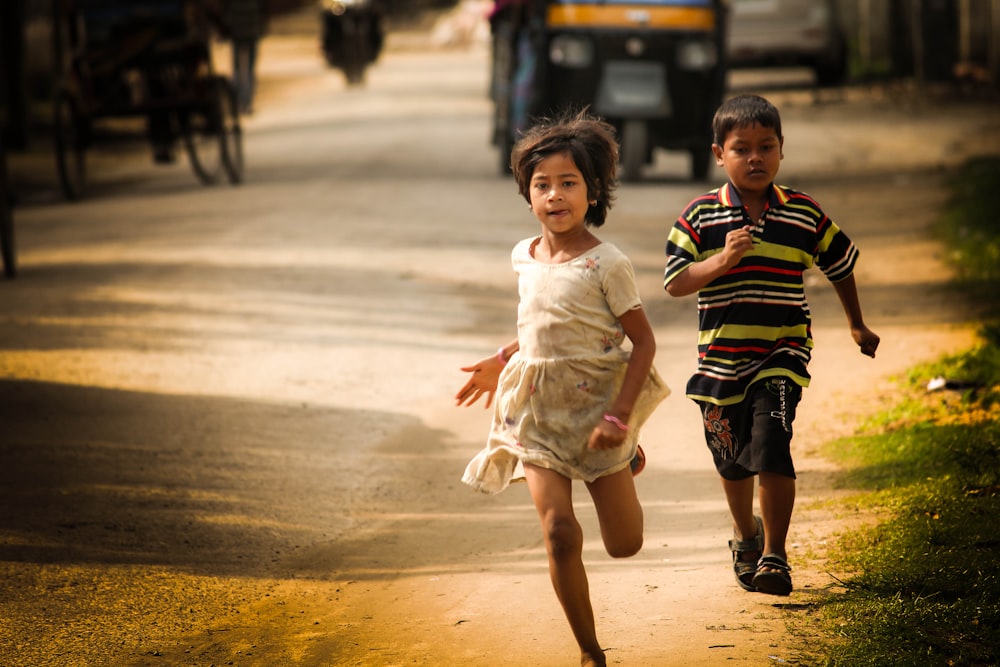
(619, 285)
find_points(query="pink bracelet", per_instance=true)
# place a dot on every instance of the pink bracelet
(502, 359)
(617, 422)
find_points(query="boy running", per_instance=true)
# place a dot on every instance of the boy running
(743, 248)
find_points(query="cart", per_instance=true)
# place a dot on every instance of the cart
(149, 59)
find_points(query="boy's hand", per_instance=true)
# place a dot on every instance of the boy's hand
(738, 242)
(866, 339)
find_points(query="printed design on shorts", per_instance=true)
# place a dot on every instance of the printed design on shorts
(779, 387)
(720, 433)
(583, 386)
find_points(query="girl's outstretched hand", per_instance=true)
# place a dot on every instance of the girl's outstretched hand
(485, 374)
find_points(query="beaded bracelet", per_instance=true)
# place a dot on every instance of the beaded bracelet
(500, 357)
(617, 422)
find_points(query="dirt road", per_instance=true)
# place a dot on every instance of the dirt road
(227, 428)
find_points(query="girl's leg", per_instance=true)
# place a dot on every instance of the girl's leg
(552, 495)
(619, 513)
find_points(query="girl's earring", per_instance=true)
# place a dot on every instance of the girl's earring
(593, 203)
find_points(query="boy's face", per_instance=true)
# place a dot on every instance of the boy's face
(751, 156)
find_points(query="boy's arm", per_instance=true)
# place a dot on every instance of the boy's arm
(699, 274)
(847, 292)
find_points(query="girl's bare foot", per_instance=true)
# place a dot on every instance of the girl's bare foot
(593, 659)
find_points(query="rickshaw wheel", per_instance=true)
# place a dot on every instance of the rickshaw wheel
(701, 160)
(506, 147)
(70, 153)
(200, 130)
(212, 135)
(354, 73)
(230, 132)
(7, 248)
(7, 237)
(635, 147)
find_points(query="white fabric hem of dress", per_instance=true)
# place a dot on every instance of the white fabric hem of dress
(483, 482)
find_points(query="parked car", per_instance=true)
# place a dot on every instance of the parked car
(783, 33)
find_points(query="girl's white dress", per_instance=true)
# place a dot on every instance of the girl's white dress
(557, 387)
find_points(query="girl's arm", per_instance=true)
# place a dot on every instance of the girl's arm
(699, 274)
(485, 374)
(607, 434)
(847, 292)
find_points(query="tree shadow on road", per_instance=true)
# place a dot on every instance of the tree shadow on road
(209, 485)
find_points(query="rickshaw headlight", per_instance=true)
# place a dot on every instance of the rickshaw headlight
(697, 55)
(571, 51)
(635, 47)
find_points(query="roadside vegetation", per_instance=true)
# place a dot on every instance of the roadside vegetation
(923, 582)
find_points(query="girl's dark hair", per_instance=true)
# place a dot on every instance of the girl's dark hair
(589, 141)
(744, 111)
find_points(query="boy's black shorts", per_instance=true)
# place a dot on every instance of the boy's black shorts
(754, 435)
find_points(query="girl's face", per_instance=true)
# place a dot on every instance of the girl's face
(751, 156)
(559, 194)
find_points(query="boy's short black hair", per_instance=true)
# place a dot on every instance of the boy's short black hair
(743, 111)
(592, 144)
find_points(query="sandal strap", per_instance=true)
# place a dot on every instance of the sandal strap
(756, 543)
(774, 562)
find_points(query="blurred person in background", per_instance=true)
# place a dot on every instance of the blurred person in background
(246, 23)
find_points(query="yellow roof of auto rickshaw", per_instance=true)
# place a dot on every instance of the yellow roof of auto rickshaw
(638, 15)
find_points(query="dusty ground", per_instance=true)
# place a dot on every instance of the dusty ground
(233, 441)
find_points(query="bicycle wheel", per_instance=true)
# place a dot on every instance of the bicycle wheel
(70, 153)
(200, 130)
(230, 132)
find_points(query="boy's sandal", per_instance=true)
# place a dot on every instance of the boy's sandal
(773, 575)
(638, 461)
(746, 569)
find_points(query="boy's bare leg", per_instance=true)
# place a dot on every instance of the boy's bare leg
(777, 500)
(619, 513)
(739, 496)
(552, 495)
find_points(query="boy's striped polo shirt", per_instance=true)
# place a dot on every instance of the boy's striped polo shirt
(754, 321)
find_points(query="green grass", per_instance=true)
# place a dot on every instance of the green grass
(923, 584)
(969, 226)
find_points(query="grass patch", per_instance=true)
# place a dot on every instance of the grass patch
(923, 585)
(969, 226)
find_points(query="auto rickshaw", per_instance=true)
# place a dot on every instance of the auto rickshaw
(652, 68)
